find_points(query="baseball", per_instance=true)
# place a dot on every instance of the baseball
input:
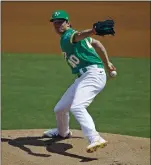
(113, 73)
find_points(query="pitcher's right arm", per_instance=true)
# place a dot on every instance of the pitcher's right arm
(100, 49)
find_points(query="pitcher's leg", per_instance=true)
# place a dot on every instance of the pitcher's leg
(62, 111)
(62, 114)
(85, 120)
(62, 118)
(86, 91)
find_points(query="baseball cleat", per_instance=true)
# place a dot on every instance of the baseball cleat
(95, 145)
(53, 133)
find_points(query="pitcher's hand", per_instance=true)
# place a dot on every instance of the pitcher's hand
(111, 68)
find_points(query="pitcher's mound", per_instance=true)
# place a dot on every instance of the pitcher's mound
(27, 147)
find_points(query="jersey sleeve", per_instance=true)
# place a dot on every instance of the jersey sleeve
(71, 38)
(89, 39)
(72, 35)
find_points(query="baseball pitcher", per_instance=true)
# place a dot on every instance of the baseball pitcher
(87, 58)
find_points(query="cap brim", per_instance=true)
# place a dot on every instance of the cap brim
(51, 20)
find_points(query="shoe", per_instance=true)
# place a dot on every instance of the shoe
(95, 145)
(53, 133)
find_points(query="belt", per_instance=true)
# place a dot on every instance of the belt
(85, 69)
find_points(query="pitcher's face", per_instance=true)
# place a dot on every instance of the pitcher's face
(60, 25)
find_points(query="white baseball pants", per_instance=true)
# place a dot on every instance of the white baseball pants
(77, 98)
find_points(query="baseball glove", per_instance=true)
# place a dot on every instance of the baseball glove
(102, 28)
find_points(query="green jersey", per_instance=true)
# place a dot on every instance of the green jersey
(79, 55)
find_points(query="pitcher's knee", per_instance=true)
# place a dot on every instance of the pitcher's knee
(82, 105)
(57, 109)
(77, 108)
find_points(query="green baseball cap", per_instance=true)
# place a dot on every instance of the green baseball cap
(59, 14)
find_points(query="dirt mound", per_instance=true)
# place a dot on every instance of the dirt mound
(22, 147)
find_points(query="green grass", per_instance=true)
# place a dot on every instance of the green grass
(32, 84)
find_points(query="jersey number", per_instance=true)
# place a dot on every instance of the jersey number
(73, 61)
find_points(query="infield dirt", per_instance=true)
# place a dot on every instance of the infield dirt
(26, 29)
(27, 147)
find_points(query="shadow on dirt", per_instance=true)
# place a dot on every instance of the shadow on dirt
(52, 146)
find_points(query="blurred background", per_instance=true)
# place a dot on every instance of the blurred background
(26, 27)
